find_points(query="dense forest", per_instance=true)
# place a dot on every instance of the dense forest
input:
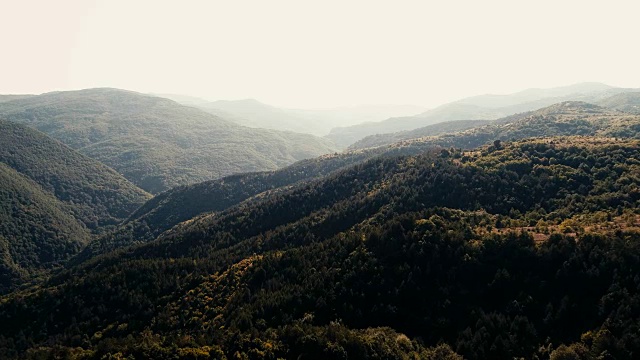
(522, 249)
(36, 229)
(99, 195)
(184, 203)
(157, 143)
(52, 199)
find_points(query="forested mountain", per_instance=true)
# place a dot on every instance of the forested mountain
(52, 199)
(522, 250)
(484, 107)
(37, 231)
(155, 142)
(566, 118)
(98, 195)
(184, 203)
(431, 130)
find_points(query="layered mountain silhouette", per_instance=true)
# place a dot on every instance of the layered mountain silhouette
(155, 142)
(484, 107)
(566, 118)
(252, 113)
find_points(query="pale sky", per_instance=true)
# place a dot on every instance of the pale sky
(317, 53)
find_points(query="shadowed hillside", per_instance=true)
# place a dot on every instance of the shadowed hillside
(418, 256)
(52, 198)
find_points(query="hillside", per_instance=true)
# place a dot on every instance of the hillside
(98, 195)
(154, 142)
(37, 230)
(484, 107)
(398, 257)
(53, 198)
(184, 203)
(431, 130)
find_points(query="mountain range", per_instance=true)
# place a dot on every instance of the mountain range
(565, 118)
(337, 265)
(484, 107)
(157, 143)
(515, 237)
(319, 122)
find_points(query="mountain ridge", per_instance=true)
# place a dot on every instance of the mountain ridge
(471, 109)
(155, 142)
(565, 118)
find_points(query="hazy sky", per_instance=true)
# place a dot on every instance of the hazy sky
(317, 53)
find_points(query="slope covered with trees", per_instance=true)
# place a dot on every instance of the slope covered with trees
(523, 250)
(36, 229)
(157, 143)
(560, 119)
(98, 195)
(184, 203)
(52, 199)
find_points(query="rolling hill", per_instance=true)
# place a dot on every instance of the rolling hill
(420, 256)
(52, 199)
(157, 143)
(484, 107)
